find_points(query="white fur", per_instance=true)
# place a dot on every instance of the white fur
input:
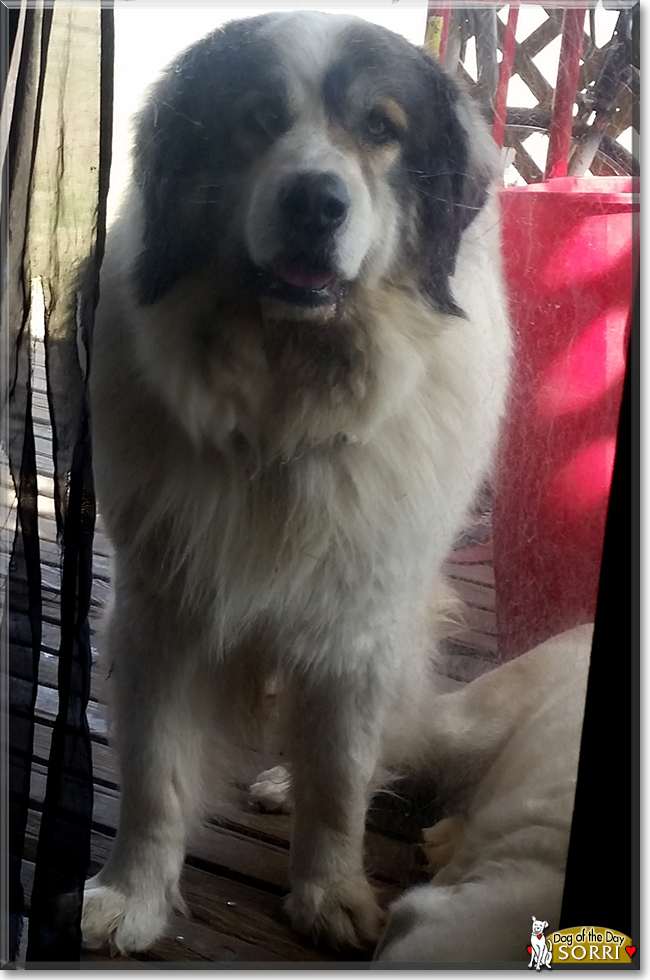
(514, 735)
(309, 44)
(316, 564)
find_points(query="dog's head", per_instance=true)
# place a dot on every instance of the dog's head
(305, 154)
(538, 926)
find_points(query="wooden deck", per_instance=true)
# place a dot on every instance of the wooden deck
(235, 875)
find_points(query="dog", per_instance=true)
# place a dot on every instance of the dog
(504, 750)
(300, 362)
(541, 954)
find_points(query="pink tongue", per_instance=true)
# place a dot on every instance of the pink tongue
(303, 280)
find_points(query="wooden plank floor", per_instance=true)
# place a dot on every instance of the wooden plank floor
(236, 872)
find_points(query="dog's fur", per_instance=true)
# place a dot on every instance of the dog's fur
(509, 744)
(295, 394)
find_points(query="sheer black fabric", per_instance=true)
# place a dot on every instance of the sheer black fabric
(58, 102)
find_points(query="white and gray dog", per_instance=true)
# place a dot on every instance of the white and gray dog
(300, 364)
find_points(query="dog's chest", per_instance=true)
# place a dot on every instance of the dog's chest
(331, 528)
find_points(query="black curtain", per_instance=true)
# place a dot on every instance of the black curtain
(58, 105)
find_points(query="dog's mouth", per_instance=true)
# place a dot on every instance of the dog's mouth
(299, 284)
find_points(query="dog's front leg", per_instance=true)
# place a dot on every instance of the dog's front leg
(336, 733)
(158, 728)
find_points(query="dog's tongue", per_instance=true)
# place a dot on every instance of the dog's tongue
(301, 278)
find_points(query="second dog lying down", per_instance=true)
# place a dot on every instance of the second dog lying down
(515, 734)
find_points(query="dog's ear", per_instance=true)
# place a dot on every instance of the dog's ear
(545, 924)
(181, 131)
(533, 917)
(452, 160)
(184, 152)
(170, 143)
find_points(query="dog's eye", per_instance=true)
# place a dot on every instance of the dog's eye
(266, 119)
(378, 128)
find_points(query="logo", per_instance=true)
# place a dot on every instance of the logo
(540, 954)
(581, 944)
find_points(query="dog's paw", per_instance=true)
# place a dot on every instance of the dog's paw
(441, 841)
(343, 915)
(271, 791)
(123, 923)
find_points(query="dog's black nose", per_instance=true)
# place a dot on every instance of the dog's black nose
(315, 202)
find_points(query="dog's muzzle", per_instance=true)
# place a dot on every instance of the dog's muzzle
(313, 206)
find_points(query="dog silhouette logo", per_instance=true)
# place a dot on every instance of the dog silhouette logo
(540, 954)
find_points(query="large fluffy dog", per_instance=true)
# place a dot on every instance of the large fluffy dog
(300, 363)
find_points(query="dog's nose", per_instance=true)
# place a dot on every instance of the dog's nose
(315, 202)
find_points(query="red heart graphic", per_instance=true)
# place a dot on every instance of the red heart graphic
(530, 949)
(630, 950)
